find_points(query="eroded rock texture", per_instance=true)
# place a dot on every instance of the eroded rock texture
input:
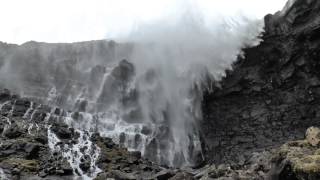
(297, 160)
(273, 93)
(37, 143)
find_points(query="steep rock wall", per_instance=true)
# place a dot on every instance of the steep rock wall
(273, 93)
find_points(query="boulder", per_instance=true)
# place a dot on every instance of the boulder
(32, 150)
(13, 131)
(115, 174)
(313, 136)
(182, 176)
(85, 163)
(62, 131)
(298, 160)
(4, 95)
(163, 175)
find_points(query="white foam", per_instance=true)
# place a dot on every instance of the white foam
(26, 114)
(3, 176)
(73, 153)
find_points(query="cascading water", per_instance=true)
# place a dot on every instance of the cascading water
(75, 154)
(3, 175)
(81, 150)
(149, 102)
(8, 122)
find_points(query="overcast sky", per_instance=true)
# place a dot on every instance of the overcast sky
(80, 20)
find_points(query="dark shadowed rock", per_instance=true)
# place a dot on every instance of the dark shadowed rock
(13, 131)
(32, 150)
(272, 94)
(5, 95)
(115, 84)
(182, 176)
(85, 163)
(62, 131)
(163, 175)
(115, 174)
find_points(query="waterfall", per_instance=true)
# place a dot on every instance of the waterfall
(145, 91)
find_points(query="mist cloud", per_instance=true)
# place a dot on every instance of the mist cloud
(173, 54)
(81, 20)
(178, 53)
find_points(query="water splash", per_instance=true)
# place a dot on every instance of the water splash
(3, 104)
(7, 119)
(149, 102)
(75, 154)
(3, 176)
(27, 113)
(10, 114)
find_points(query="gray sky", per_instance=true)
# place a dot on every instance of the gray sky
(80, 20)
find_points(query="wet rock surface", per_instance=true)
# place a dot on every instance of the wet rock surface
(24, 150)
(33, 141)
(37, 143)
(272, 95)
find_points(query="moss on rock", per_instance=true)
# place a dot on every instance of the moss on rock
(302, 156)
(23, 164)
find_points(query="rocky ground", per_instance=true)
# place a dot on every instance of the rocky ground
(36, 143)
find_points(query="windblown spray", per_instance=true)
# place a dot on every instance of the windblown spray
(151, 101)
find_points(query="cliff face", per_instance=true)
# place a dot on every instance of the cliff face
(273, 93)
(34, 68)
(92, 77)
(270, 97)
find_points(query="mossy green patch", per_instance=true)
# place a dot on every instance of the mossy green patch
(23, 164)
(307, 164)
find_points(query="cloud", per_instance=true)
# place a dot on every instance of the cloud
(79, 20)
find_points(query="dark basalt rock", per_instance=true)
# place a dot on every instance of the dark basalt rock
(115, 85)
(25, 152)
(85, 163)
(5, 95)
(41, 138)
(115, 174)
(182, 176)
(272, 94)
(32, 150)
(13, 131)
(164, 174)
(62, 130)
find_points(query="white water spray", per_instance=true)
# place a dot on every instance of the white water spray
(174, 58)
(3, 176)
(76, 152)
(152, 101)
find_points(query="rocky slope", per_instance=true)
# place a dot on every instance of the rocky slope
(36, 143)
(273, 93)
